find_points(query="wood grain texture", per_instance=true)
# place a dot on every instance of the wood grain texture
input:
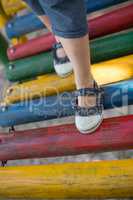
(106, 179)
(46, 85)
(114, 134)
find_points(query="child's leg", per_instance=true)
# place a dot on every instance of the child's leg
(45, 19)
(61, 63)
(83, 75)
(78, 52)
(69, 23)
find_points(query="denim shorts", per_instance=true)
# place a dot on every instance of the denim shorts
(68, 17)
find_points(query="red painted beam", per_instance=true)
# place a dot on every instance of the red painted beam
(31, 47)
(114, 134)
(111, 22)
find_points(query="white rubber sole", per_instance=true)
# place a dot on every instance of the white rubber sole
(63, 70)
(65, 75)
(92, 130)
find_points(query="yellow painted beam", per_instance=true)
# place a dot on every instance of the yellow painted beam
(11, 7)
(106, 179)
(3, 18)
(19, 40)
(50, 84)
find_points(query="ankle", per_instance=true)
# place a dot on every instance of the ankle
(61, 53)
(89, 84)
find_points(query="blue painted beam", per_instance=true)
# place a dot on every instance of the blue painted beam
(116, 95)
(21, 25)
(95, 5)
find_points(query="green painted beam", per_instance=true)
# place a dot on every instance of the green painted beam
(102, 49)
(3, 50)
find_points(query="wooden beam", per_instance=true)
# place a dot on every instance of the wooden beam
(3, 18)
(114, 134)
(3, 50)
(54, 107)
(106, 179)
(102, 49)
(119, 69)
(98, 26)
(30, 22)
(13, 6)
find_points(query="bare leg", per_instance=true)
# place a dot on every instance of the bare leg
(77, 49)
(78, 52)
(45, 19)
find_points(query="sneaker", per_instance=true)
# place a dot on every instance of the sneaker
(87, 120)
(62, 65)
